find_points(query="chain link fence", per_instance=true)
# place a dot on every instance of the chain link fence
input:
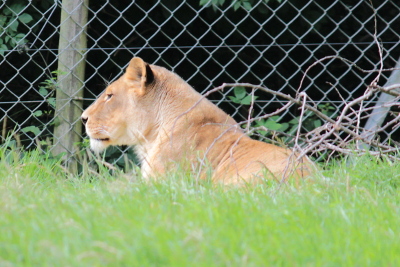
(269, 43)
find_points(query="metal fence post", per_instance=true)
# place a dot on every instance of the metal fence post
(380, 112)
(71, 73)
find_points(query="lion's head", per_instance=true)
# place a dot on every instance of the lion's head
(121, 115)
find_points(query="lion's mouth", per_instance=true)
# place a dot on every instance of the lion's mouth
(102, 139)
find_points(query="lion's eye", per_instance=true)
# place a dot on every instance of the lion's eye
(108, 96)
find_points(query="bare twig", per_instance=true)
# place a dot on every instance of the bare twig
(335, 135)
(4, 128)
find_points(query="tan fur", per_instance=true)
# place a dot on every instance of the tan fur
(170, 123)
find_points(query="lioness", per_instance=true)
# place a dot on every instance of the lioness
(170, 123)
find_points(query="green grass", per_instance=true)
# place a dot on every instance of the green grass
(349, 216)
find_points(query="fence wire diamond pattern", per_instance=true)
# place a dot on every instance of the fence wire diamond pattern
(268, 43)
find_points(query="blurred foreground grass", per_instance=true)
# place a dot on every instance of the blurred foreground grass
(349, 216)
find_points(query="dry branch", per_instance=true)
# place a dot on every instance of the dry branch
(340, 135)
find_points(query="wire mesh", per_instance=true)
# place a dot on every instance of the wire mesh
(269, 43)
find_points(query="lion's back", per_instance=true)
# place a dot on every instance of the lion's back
(248, 159)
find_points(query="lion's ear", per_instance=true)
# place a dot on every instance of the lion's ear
(139, 73)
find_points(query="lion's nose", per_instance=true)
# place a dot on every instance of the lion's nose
(84, 120)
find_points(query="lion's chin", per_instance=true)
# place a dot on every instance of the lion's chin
(98, 145)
